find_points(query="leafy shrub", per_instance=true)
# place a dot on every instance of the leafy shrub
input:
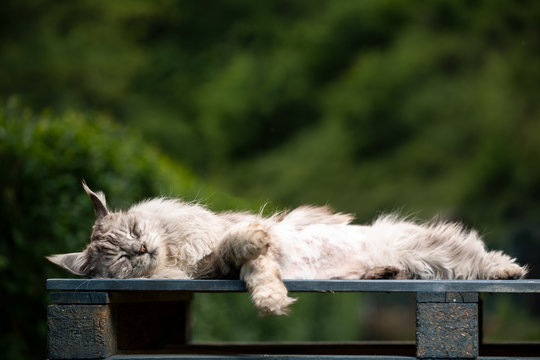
(44, 210)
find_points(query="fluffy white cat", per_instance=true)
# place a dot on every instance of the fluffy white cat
(166, 238)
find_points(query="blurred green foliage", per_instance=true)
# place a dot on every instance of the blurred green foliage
(44, 209)
(370, 106)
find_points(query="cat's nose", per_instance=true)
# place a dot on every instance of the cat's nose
(142, 250)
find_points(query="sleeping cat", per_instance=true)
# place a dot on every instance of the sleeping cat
(166, 238)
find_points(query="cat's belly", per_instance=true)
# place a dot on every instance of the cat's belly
(323, 252)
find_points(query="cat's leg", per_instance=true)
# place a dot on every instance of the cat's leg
(240, 244)
(448, 251)
(499, 266)
(263, 280)
(461, 254)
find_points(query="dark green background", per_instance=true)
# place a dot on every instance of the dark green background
(419, 107)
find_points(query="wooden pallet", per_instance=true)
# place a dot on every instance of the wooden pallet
(139, 319)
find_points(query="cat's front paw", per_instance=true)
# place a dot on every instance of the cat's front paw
(250, 242)
(272, 302)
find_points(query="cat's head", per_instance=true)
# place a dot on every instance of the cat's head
(122, 245)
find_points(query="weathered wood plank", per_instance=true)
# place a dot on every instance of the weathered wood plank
(481, 286)
(447, 326)
(452, 297)
(447, 317)
(313, 348)
(79, 297)
(278, 357)
(80, 332)
(257, 357)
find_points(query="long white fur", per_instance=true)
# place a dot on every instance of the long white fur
(306, 243)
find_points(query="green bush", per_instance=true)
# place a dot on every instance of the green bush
(43, 158)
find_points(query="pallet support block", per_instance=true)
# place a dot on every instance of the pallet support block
(447, 325)
(80, 331)
(96, 325)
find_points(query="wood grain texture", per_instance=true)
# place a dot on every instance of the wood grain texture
(80, 332)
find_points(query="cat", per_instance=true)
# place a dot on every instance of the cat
(169, 238)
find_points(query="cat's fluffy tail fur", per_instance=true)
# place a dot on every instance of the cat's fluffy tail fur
(442, 250)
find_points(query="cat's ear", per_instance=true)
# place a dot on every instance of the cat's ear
(98, 199)
(74, 262)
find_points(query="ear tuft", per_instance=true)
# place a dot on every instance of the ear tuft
(98, 200)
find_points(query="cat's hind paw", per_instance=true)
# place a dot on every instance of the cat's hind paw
(499, 266)
(509, 272)
(385, 272)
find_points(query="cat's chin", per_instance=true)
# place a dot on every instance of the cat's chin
(143, 267)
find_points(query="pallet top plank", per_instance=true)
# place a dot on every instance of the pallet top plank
(481, 286)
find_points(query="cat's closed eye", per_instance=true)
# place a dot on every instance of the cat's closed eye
(135, 231)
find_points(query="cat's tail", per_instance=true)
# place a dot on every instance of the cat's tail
(442, 250)
(499, 266)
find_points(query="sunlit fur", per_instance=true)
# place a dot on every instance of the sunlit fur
(167, 238)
